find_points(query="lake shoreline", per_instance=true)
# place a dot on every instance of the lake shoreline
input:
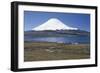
(69, 43)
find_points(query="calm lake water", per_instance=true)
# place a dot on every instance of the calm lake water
(65, 39)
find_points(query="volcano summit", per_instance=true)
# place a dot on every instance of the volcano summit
(53, 24)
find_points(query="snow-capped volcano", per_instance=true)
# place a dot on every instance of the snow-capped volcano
(53, 24)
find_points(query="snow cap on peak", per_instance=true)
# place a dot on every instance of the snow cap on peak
(53, 24)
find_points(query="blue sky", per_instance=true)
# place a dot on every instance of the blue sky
(34, 18)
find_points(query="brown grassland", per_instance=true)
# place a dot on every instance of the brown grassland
(43, 51)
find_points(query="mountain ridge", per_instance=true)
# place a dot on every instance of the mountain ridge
(56, 33)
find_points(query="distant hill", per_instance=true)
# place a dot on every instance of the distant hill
(55, 33)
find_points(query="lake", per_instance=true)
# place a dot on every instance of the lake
(69, 39)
